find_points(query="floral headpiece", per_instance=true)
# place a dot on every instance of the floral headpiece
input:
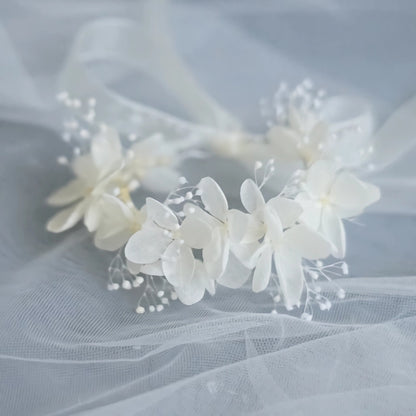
(193, 240)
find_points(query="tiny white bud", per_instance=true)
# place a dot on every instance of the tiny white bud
(341, 293)
(62, 160)
(182, 180)
(188, 195)
(132, 137)
(160, 293)
(135, 283)
(258, 165)
(138, 280)
(306, 316)
(126, 285)
(314, 274)
(134, 184)
(62, 96)
(152, 308)
(140, 309)
(173, 296)
(85, 134)
(159, 308)
(66, 136)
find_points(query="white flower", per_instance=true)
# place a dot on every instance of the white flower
(304, 139)
(227, 228)
(163, 239)
(284, 243)
(118, 222)
(340, 130)
(151, 161)
(93, 171)
(194, 290)
(330, 195)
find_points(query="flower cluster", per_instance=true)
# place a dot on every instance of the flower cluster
(203, 241)
(193, 241)
(105, 177)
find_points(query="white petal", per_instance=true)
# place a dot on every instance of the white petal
(69, 193)
(154, 269)
(92, 216)
(115, 210)
(192, 210)
(290, 273)
(333, 229)
(210, 286)
(251, 196)
(352, 195)
(161, 214)
(160, 179)
(308, 243)
(116, 224)
(244, 228)
(85, 169)
(216, 254)
(312, 151)
(112, 240)
(178, 264)
(212, 251)
(320, 177)
(263, 270)
(196, 233)
(66, 218)
(312, 210)
(106, 150)
(288, 210)
(235, 274)
(247, 254)
(146, 246)
(194, 291)
(273, 226)
(213, 198)
(133, 268)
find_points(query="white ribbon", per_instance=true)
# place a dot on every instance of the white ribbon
(149, 48)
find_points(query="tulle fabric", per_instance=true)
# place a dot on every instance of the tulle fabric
(70, 347)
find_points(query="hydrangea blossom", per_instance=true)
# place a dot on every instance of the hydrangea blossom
(107, 169)
(284, 242)
(94, 172)
(330, 195)
(162, 238)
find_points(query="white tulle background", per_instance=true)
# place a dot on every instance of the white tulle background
(70, 347)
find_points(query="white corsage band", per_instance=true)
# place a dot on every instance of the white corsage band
(193, 240)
